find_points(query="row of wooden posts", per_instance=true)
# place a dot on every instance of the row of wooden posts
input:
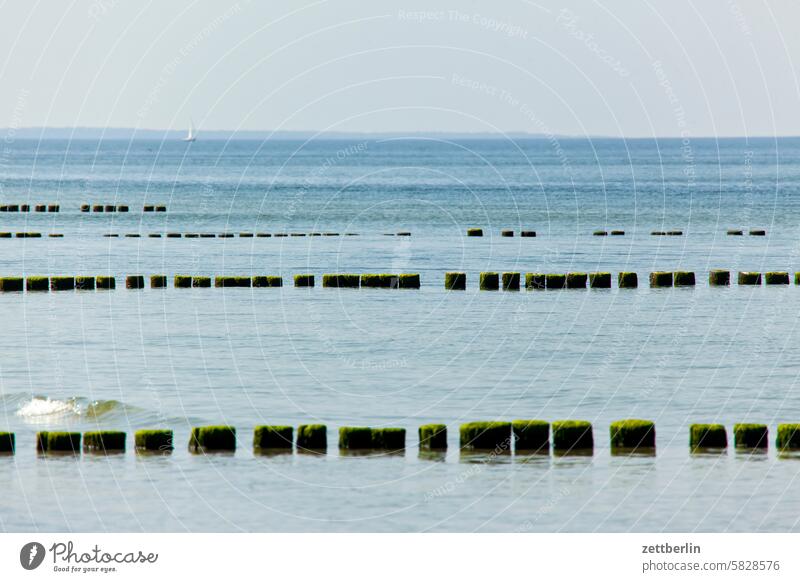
(84, 208)
(453, 281)
(532, 233)
(173, 235)
(564, 436)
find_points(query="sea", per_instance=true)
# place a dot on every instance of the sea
(131, 359)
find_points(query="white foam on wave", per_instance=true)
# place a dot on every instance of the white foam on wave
(44, 408)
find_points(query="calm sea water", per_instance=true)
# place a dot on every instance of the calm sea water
(179, 358)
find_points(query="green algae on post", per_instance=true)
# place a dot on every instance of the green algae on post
(134, 282)
(511, 281)
(535, 281)
(7, 443)
(389, 439)
(507, 233)
(708, 436)
(719, 278)
(232, 282)
(11, 283)
(305, 280)
(555, 281)
(58, 442)
(633, 433)
(154, 440)
(182, 281)
(489, 281)
(684, 279)
(750, 436)
(600, 280)
(576, 280)
(201, 282)
(433, 437)
(158, 281)
(104, 440)
(102, 282)
(600, 233)
(749, 278)
(409, 281)
(455, 281)
(37, 283)
(355, 437)
(379, 281)
(273, 437)
(212, 438)
(267, 281)
(788, 437)
(572, 436)
(84, 283)
(531, 435)
(312, 437)
(474, 232)
(341, 280)
(62, 283)
(776, 278)
(485, 436)
(661, 279)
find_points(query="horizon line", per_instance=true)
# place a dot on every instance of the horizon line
(93, 132)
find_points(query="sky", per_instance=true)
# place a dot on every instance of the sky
(613, 68)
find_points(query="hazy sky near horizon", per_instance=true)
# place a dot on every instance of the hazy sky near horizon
(616, 68)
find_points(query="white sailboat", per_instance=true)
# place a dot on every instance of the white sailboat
(192, 135)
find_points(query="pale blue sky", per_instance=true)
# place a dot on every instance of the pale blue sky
(617, 68)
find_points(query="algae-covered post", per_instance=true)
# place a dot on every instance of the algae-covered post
(494, 436)
(684, 279)
(433, 437)
(355, 437)
(455, 281)
(489, 281)
(556, 281)
(788, 437)
(572, 436)
(58, 442)
(304, 280)
(212, 438)
(661, 279)
(103, 282)
(104, 441)
(134, 282)
(7, 443)
(600, 280)
(719, 278)
(275, 437)
(750, 436)
(511, 281)
(389, 439)
(312, 438)
(749, 278)
(633, 434)
(576, 280)
(708, 436)
(154, 440)
(535, 281)
(158, 281)
(531, 435)
(776, 278)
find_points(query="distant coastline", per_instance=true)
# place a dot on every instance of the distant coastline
(126, 133)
